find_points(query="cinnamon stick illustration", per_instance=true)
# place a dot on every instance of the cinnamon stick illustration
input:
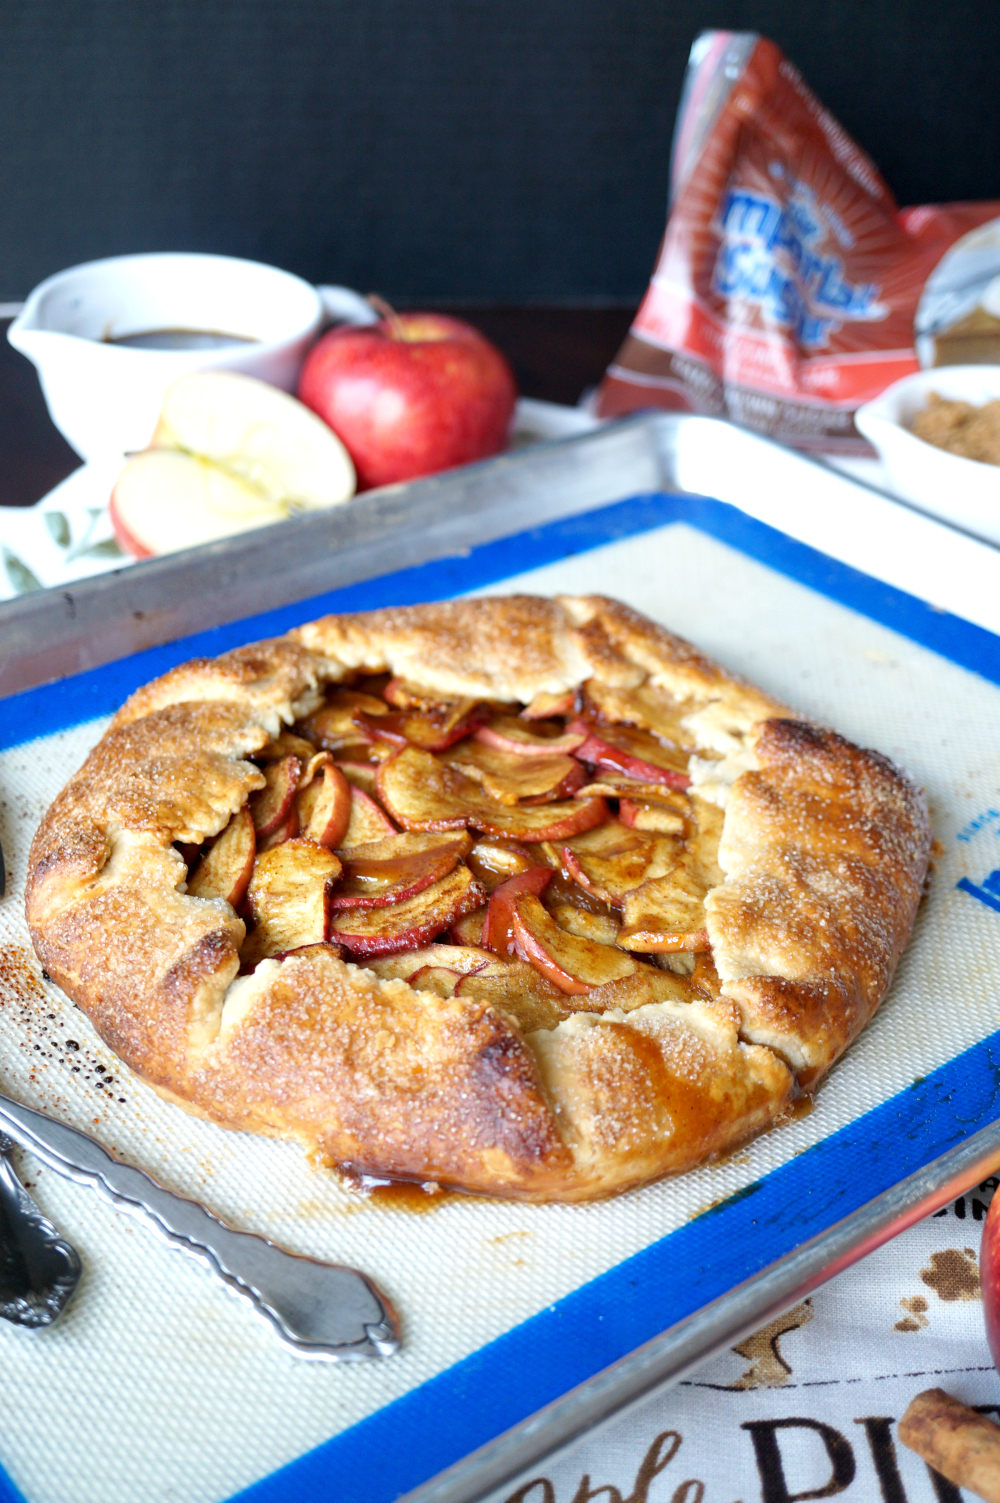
(959, 1443)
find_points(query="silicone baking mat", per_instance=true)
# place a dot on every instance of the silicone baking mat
(157, 1385)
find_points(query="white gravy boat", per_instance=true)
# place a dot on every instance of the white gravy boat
(105, 397)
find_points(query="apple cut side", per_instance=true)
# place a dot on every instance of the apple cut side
(654, 819)
(164, 501)
(509, 733)
(323, 806)
(636, 754)
(509, 777)
(273, 806)
(665, 915)
(613, 860)
(468, 930)
(498, 930)
(519, 991)
(225, 869)
(367, 822)
(408, 925)
(259, 434)
(288, 899)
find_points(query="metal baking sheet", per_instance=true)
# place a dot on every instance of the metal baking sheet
(894, 1153)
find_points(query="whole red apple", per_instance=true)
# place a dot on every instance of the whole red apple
(410, 395)
(989, 1276)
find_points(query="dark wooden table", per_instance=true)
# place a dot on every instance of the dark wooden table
(557, 353)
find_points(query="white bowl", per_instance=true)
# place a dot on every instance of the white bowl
(962, 491)
(105, 398)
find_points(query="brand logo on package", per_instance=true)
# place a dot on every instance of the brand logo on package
(770, 257)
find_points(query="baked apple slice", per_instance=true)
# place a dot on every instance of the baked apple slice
(433, 730)
(665, 914)
(650, 709)
(288, 899)
(391, 870)
(498, 930)
(543, 706)
(361, 775)
(425, 794)
(366, 823)
(613, 860)
(654, 819)
(461, 958)
(516, 989)
(323, 805)
(494, 860)
(287, 744)
(408, 925)
(332, 726)
(571, 963)
(508, 778)
(509, 733)
(225, 869)
(634, 753)
(599, 927)
(468, 930)
(272, 807)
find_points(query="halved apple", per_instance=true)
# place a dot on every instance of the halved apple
(635, 753)
(323, 805)
(571, 963)
(461, 958)
(508, 777)
(260, 434)
(519, 991)
(288, 899)
(272, 806)
(508, 733)
(498, 930)
(405, 926)
(164, 501)
(366, 823)
(225, 869)
(665, 914)
(494, 860)
(391, 870)
(424, 794)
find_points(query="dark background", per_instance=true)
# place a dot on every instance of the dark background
(485, 151)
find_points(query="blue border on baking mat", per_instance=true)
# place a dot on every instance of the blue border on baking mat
(99, 691)
(416, 1436)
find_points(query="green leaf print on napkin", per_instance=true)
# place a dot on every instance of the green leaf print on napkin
(108, 548)
(22, 581)
(58, 527)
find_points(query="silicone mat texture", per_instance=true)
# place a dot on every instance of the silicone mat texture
(157, 1384)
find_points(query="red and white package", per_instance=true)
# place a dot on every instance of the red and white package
(789, 288)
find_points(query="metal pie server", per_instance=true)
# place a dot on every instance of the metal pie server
(323, 1311)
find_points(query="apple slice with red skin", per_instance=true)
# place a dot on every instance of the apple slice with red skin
(271, 806)
(287, 744)
(509, 778)
(519, 991)
(403, 966)
(543, 706)
(332, 726)
(616, 785)
(509, 733)
(323, 805)
(367, 822)
(287, 831)
(653, 819)
(468, 930)
(389, 871)
(288, 899)
(437, 979)
(646, 707)
(226, 868)
(432, 731)
(602, 929)
(407, 925)
(613, 860)
(498, 930)
(425, 794)
(571, 963)
(634, 753)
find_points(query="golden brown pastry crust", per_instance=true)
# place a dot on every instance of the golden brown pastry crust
(824, 851)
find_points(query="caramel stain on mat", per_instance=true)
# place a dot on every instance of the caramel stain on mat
(953, 1274)
(768, 1367)
(915, 1319)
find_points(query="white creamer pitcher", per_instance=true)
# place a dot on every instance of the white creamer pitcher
(105, 397)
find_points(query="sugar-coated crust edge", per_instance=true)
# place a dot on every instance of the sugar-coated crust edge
(371, 1073)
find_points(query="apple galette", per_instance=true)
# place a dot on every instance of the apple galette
(521, 896)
